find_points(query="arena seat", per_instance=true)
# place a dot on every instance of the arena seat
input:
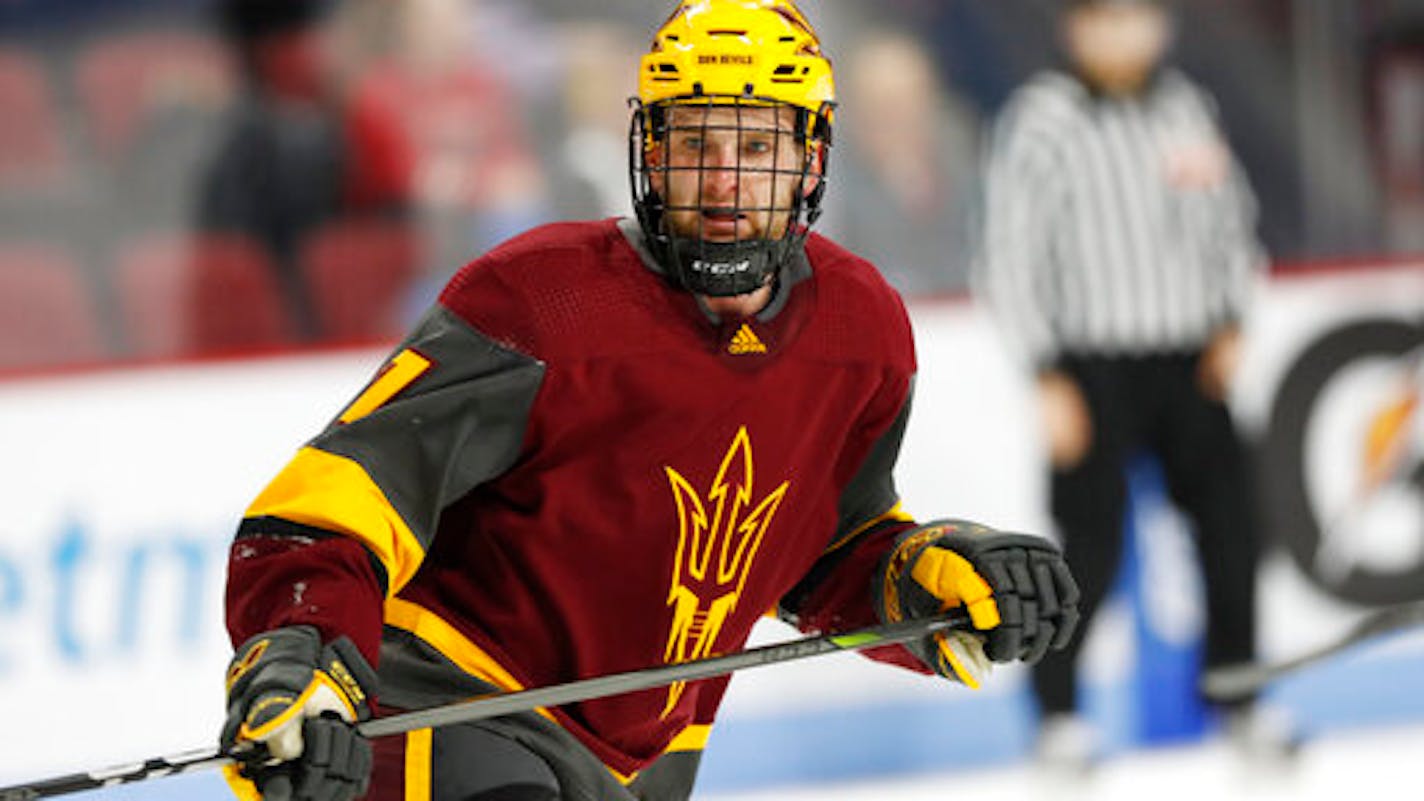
(129, 83)
(33, 155)
(358, 275)
(47, 311)
(190, 294)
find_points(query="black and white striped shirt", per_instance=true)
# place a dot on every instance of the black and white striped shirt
(1113, 226)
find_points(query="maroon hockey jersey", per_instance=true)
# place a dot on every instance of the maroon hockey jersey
(571, 468)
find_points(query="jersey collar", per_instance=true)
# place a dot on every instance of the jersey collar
(798, 270)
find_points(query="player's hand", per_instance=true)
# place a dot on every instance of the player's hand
(300, 700)
(1016, 588)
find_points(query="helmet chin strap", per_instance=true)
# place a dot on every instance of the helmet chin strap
(724, 269)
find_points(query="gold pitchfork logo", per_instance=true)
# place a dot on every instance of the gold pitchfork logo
(717, 540)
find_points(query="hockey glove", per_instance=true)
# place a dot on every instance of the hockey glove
(299, 699)
(1016, 588)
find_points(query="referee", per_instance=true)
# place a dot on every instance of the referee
(1118, 254)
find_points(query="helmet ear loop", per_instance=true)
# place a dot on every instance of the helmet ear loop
(808, 184)
(649, 134)
(813, 179)
(642, 132)
(816, 126)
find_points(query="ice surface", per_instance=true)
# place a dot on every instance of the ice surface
(1344, 765)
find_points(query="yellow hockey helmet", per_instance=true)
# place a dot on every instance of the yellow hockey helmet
(739, 53)
(762, 49)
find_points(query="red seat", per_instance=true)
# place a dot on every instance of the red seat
(126, 81)
(184, 295)
(47, 313)
(32, 152)
(358, 275)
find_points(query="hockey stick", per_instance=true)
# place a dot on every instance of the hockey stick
(496, 704)
(1237, 682)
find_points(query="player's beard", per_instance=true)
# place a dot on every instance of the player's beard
(725, 220)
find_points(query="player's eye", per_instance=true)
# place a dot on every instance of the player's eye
(758, 146)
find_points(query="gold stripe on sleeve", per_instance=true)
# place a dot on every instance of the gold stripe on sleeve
(334, 493)
(417, 765)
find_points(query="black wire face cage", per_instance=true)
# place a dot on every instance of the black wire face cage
(715, 262)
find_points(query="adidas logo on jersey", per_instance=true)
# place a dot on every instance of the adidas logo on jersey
(745, 341)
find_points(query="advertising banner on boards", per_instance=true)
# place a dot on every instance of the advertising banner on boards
(122, 489)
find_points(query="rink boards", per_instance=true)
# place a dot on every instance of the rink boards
(122, 488)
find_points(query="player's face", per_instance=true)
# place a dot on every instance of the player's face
(728, 173)
(1117, 46)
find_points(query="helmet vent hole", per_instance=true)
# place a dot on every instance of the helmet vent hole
(727, 32)
(785, 69)
(795, 20)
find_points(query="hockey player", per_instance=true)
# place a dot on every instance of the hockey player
(613, 445)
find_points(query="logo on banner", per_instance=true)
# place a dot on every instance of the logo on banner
(1344, 461)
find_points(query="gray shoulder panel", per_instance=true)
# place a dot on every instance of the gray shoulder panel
(458, 424)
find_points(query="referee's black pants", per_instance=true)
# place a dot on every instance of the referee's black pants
(1153, 403)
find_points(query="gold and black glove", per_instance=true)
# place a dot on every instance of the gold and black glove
(300, 700)
(1016, 588)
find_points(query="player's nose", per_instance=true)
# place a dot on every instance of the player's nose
(719, 168)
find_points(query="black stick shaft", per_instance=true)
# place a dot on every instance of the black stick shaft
(506, 703)
(497, 704)
(1238, 682)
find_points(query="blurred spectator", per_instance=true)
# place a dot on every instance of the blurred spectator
(1120, 251)
(987, 49)
(34, 154)
(301, 151)
(907, 146)
(39, 175)
(477, 178)
(1395, 97)
(46, 311)
(153, 100)
(585, 136)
